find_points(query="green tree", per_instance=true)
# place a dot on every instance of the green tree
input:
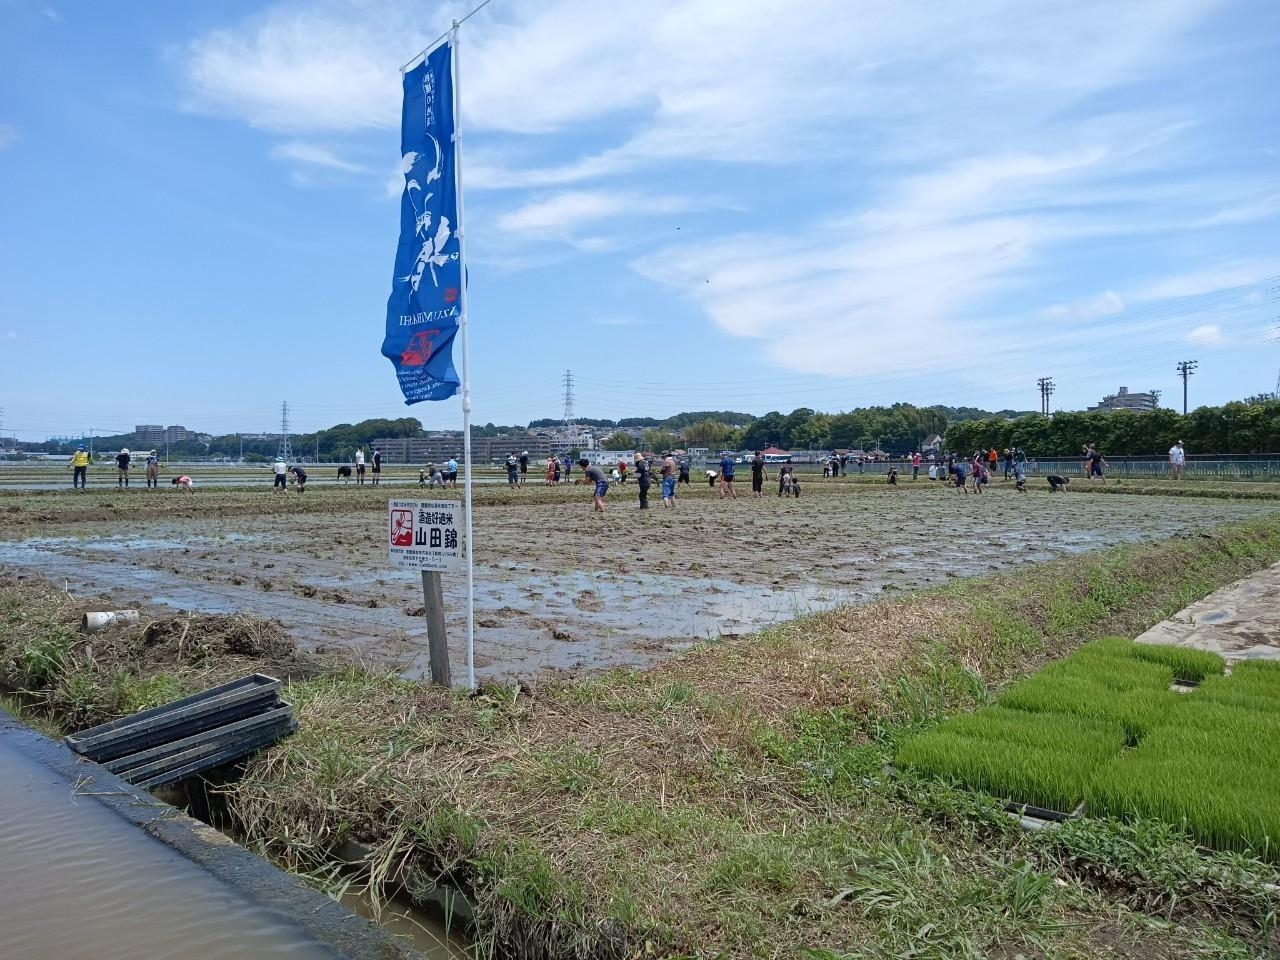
(619, 441)
(706, 433)
(656, 440)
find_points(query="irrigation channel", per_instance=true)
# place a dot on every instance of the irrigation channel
(94, 868)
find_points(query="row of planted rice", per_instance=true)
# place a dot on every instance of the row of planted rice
(1105, 728)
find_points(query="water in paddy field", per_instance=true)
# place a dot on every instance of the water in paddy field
(80, 881)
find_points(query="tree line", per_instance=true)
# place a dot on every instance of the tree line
(1234, 428)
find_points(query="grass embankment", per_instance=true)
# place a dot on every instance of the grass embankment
(1204, 759)
(730, 803)
(1150, 487)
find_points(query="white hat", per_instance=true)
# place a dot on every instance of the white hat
(124, 449)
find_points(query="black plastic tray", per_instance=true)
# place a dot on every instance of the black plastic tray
(179, 752)
(229, 755)
(178, 720)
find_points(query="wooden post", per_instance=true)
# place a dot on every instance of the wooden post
(433, 608)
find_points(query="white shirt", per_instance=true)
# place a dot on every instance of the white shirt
(360, 457)
(280, 469)
(1177, 454)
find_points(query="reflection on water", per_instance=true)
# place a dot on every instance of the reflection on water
(80, 881)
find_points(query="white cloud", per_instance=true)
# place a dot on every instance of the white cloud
(52, 14)
(313, 155)
(560, 213)
(957, 146)
(1206, 335)
(1224, 276)
(1104, 304)
(1260, 208)
(8, 135)
(778, 79)
(896, 287)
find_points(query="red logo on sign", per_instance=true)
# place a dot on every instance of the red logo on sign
(402, 528)
(419, 350)
(450, 294)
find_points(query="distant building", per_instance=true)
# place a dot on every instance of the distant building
(1124, 400)
(153, 434)
(439, 446)
(149, 433)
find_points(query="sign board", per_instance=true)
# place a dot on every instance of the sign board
(425, 534)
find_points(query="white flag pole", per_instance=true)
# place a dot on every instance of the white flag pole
(466, 377)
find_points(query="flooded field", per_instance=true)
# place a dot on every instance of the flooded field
(560, 589)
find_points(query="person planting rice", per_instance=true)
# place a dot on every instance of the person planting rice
(1057, 483)
(153, 470)
(183, 483)
(669, 471)
(299, 477)
(281, 480)
(595, 475)
(79, 468)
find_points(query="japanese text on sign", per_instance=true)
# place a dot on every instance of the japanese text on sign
(424, 535)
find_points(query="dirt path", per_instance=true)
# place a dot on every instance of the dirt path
(560, 589)
(1240, 622)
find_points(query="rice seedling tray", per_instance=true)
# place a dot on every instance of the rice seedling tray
(178, 719)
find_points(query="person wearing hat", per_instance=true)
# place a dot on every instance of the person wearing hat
(643, 478)
(524, 466)
(153, 470)
(79, 468)
(1177, 459)
(122, 466)
(281, 481)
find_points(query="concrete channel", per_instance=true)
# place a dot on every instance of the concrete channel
(92, 867)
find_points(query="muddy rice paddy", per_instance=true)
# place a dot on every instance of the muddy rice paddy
(561, 590)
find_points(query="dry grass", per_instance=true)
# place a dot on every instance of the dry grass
(717, 804)
(83, 679)
(727, 803)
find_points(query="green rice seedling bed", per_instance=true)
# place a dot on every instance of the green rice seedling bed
(1204, 759)
(1258, 677)
(1211, 799)
(1054, 779)
(1136, 710)
(1188, 665)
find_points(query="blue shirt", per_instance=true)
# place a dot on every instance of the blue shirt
(726, 468)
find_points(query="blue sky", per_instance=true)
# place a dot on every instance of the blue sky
(702, 204)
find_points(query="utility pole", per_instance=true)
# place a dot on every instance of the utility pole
(240, 437)
(1186, 368)
(284, 452)
(1046, 391)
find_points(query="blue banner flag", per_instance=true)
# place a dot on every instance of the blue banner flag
(424, 307)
